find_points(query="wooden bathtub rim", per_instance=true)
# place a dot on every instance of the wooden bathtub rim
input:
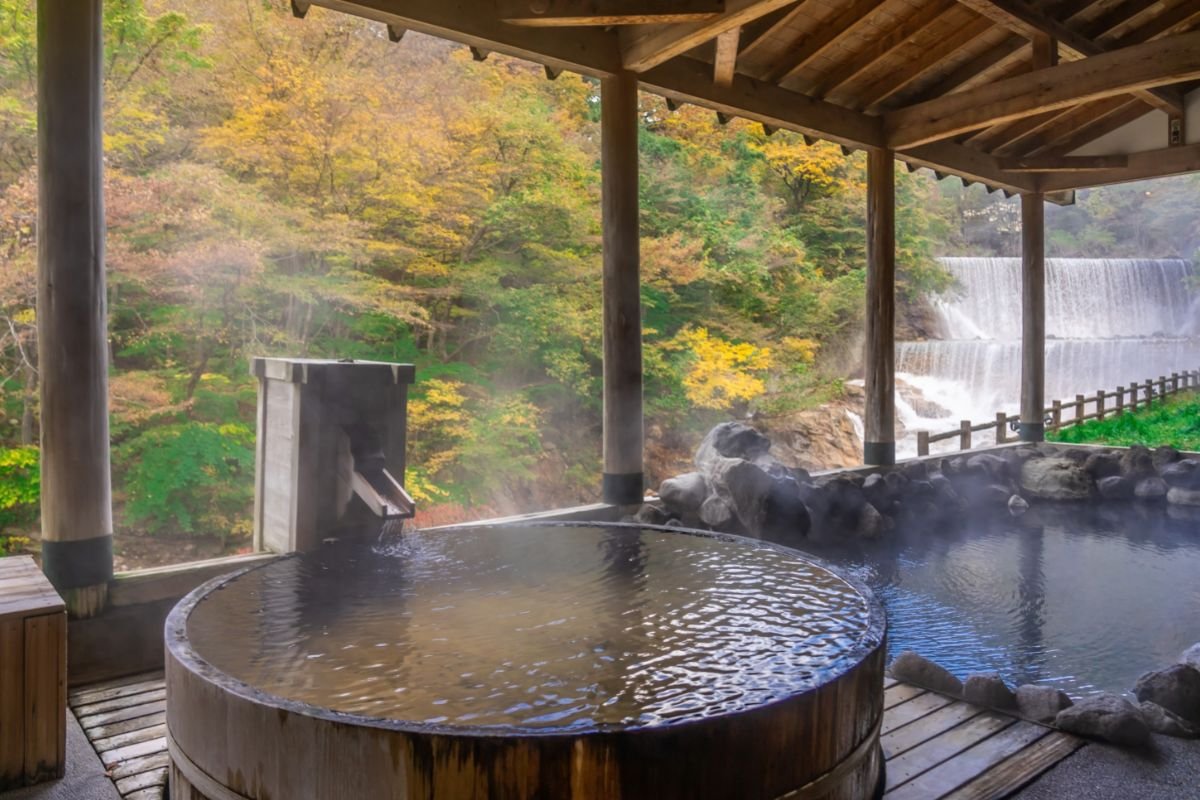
(852, 670)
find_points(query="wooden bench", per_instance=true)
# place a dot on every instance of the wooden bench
(33, 675)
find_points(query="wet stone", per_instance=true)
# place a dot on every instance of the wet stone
(989, 690)
(910, 667)
(1150, 489)
(1176, 688)
(1041, 703)
(1109, 717)
(1163, 721)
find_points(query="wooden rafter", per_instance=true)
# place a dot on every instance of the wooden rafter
(726, 58)
(1022, 18)
(1093, 126)
(1142, 66)
(1149, 164)
(767, 37)
(1063, 163)
(647, 46)
(881, 48)
(565, 13)
(874, 96)
(978, 69)
(826, 35)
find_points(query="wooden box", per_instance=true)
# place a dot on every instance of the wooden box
(33, 675)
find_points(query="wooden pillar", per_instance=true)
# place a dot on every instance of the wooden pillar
(72, 329)
(622, 431)
(879, 446)
(1033, 317)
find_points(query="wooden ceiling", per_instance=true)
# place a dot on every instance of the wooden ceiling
(997, 91)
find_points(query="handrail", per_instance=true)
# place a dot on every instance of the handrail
(1149, 389)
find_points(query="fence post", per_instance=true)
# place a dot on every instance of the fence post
(1001, 427)
(1174, 382)
(1149, 392)
(964, 435)
(922, 443)
(1133, 393)
(1100, 404)
(1120, 400)
(1162, 387)
(1079, 401)
(1056, 414)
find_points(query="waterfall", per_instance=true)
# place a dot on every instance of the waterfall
(1109, 322)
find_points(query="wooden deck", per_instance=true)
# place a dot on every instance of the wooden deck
(126, 722)
(936, 747)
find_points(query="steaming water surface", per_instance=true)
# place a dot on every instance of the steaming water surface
(537, 628)
(1082, 597)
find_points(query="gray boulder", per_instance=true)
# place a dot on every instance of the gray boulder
(1176, 688)
(1137, 462)
(990, 690)
(716, 514)
(1183, 474)
(1056, 479)
(988, 464)
(652, 514)
(1150, 489)
(1191, 656)
(1164, 455)
(1102, 465)
(684, 493)
(1115, 487)
(1041, 703)
(1163, 721)
(731, 440)
(1017, 505)
(1105, 716)
(1179, 496)
(765, 506)
(912, 668)
(871, 523)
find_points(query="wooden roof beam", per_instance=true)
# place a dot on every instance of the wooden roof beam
(1065, 121)
(1070, 138)
(646, 46)
(1063, 163)
(1141, 166)
(726, 59)
(563, 13)
(882, 47)
(831, 31)
(1024, 19)
(1142, 66)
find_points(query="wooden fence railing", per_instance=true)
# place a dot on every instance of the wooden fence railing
(1062, 414)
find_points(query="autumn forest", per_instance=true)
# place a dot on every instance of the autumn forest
(285, 187)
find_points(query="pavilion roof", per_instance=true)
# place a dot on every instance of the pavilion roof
(1021, 96)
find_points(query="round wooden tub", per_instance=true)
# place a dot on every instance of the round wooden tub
(542, 661)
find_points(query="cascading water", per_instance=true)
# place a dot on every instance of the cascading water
(1109, 322)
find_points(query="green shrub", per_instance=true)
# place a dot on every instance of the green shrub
(1175, 423)
(20, 485)
(193, 477)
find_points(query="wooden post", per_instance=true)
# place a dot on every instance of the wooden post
(922, 443)
(72, 334)
(1033, 317)
(879, 446)
(964, 435)
(622, 432)
(1133, 392)
(1056, 414)
(1149, 393)
(1080, 400)
(1174, 382)
(1162, 387)
(1120, 401)
(1001, 427)
(1100, 404)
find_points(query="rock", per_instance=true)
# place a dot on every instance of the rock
(785, 518)
(1150, 489)
(912, 668)
(1055, 479)
(990, 690)
(1102, 465)
(652, 514)
(1183, 474)
(1191, 656)
(1160, 720)
(716, 513)
(1105, 716)
(1183, 497)
(1115, 487)
(1017, 505)
(1137, 462)
(1164, 455)
(685, 492)
(871, 523)
(1041, 703)
(765, 506)
(731, 440)
(845, 498)
(916, 470)
(1176, 688)
(1078, 455)
(988, 464)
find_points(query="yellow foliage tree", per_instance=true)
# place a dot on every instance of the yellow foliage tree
(722, 372)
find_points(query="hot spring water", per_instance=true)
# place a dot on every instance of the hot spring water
(1109, 322)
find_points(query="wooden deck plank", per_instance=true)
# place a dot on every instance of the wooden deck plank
(127, 701)
(964, 767)
(138, 765)
(898, 694)
(87, 696)
(125, 726)
(154, 793)
(943, 747)
(906, 737)
(1018, 769)
(104, 744)
(913, 709)
(121, 715)
(130, 752)
(115, 684)
(889, 682)
(143, 781)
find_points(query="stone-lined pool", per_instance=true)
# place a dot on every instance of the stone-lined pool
(1085, 597)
